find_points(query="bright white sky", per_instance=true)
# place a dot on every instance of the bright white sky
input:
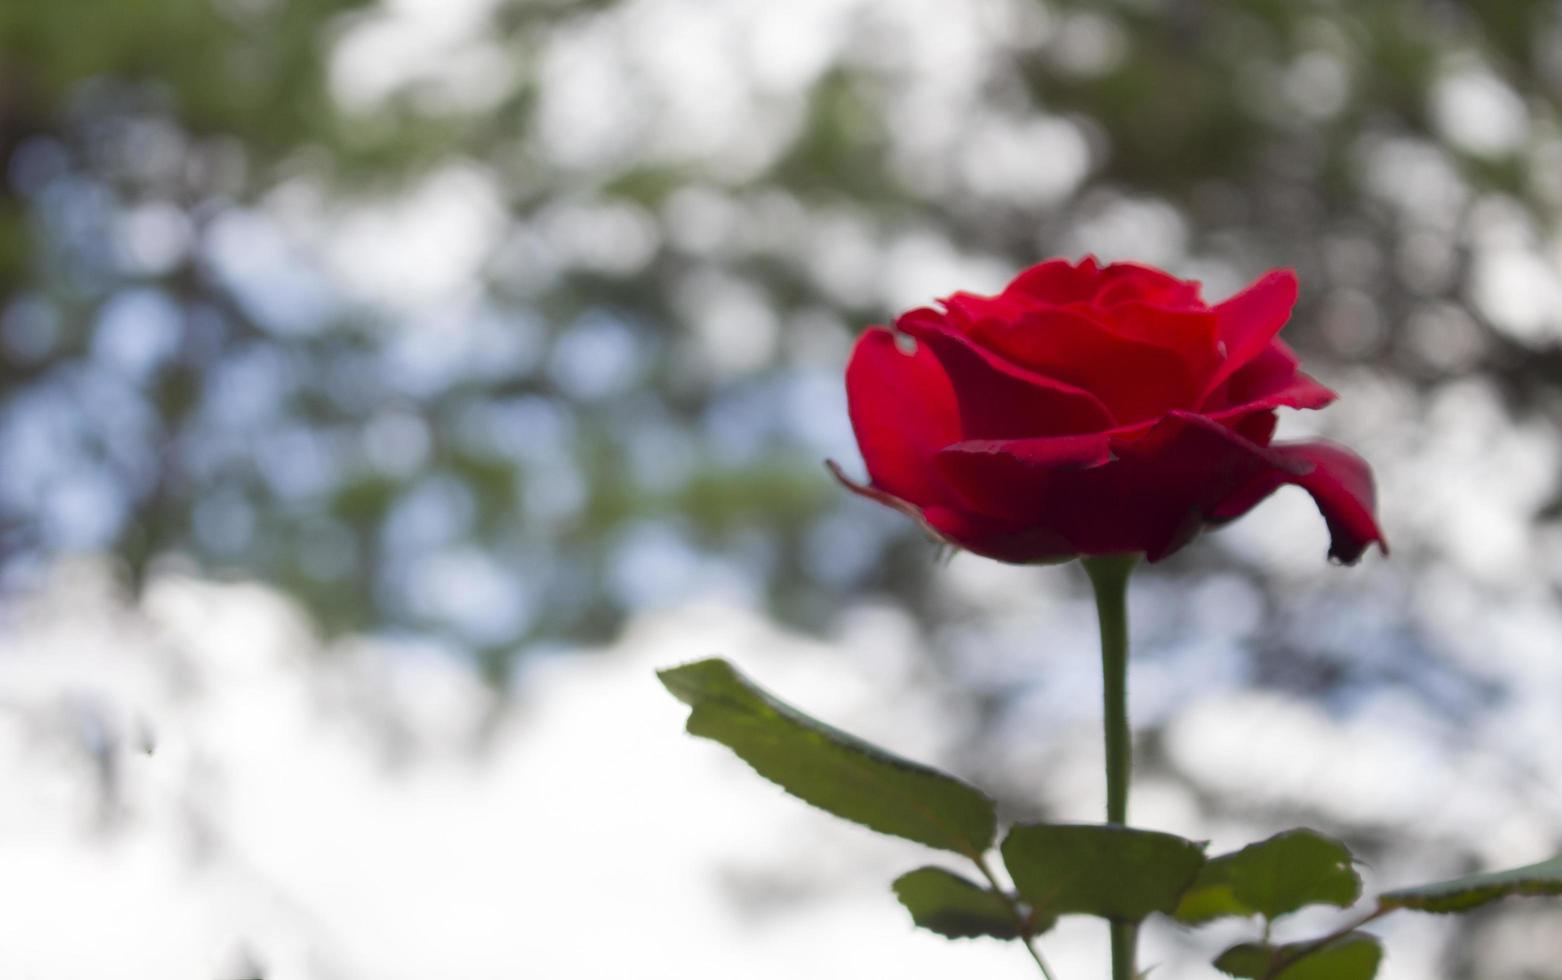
(590, 838)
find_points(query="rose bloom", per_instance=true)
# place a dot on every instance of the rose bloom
(1091, 410)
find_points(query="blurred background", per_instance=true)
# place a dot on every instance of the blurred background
(387, 388)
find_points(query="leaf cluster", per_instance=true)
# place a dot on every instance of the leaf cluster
(1120, 874)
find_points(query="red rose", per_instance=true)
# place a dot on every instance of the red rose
(1091, 410)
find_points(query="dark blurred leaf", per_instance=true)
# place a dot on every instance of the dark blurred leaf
(1354, 956)
(1273, 878)
(829, 768)
(1472, 891)
(1113, 872)
(721, 501)
(946, 903)
(838, 150)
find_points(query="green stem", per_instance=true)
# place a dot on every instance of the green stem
(1109, 578)
(1280, 963)
(1021, 922)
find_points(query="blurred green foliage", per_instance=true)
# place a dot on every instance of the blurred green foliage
(557, 438)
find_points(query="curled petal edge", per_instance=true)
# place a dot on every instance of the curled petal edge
(1250, 321)
(1341, 485)
(898, 436)
(873, 493)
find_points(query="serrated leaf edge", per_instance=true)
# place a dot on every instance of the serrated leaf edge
(671, 678)
(1473, 891)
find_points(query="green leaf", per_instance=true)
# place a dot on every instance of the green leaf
(1273, 878)
(1211, 896)
(1471, 891)
(1354, 956)
(954, 907)
(1114, 872)
(830, 769)
(1248, 960)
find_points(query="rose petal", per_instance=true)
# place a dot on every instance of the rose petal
(1303, 391)
(1016, 543)
(1271, 368)
(1190, 334)
(1090, 410)
(1251, 319)
(998, 399)
(1076, 452)
(903, 410)
(1271, 380)
(1057, 281)
(972, 532)
(1151, 494)
(1185, 331)
(1009, 479)
(1123, 282)
(1258, 427)
(1181, 469)
(1340, 483)
(884, 497)
(1134, 380)
(1258, 416)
